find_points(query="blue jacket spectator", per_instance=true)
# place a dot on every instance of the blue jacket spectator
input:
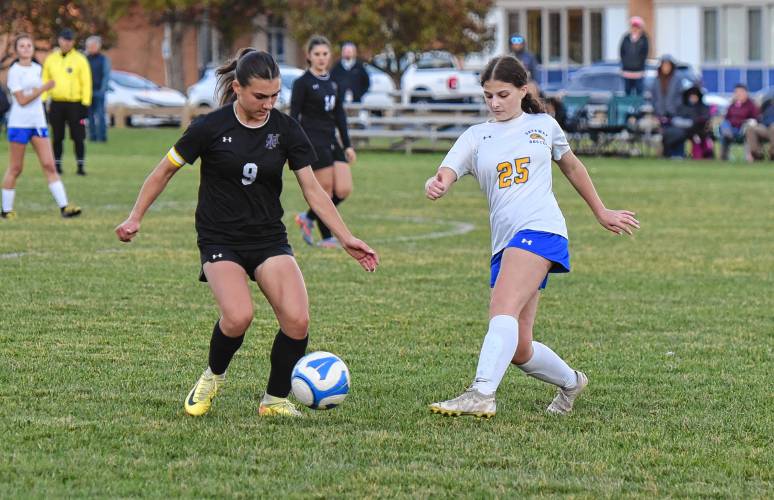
(527, 58)
(100, 77)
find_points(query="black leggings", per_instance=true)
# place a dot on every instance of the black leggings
(70, 113)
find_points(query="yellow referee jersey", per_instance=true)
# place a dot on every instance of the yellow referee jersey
(72, 75)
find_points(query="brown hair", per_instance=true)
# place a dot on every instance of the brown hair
(248, 63)
(508, 69)
(313, 42)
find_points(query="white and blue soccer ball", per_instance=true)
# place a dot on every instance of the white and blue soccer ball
(320, 380)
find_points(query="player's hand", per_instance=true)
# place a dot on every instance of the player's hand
(618, 221)
(435, 188)
(127, 230)
(49, 85)
(361, 252)
(350, 155)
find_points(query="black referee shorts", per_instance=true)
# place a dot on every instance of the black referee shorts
(248, 259)
(63, 113)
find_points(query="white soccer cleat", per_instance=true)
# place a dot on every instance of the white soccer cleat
(562, 403)
(471, 402)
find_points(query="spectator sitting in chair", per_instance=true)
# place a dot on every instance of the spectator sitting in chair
(761, 131)
(739, 112)
(690, 122)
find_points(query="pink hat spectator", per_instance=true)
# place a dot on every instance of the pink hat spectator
(637, 21)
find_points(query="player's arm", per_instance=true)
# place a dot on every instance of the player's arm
(24, 97)
(439, 184)
(151, 189)
(322, 205)
(617, 221)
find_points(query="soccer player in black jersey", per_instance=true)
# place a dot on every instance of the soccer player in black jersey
(243, 147)
(315, 105)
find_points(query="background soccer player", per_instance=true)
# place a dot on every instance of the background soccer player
(510, 156)
(27, 124)
(315, 105)
(244, 146)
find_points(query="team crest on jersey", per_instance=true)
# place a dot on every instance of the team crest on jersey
(272, 141)
(537, 136)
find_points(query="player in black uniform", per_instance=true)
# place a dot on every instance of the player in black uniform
(243, 147)
(315, 105)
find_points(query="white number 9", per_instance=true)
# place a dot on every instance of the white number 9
(249, 173)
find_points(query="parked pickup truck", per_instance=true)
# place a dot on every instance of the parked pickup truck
(437, 77)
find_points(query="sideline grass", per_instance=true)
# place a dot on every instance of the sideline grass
(100, 342)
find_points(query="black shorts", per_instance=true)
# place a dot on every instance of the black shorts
(328, 150)
(248, 259)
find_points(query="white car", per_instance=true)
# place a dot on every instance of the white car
(437, 77)
(382, 91)
(202, 93)
(133, 91)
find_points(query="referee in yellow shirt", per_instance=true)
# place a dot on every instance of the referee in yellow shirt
(70, 98)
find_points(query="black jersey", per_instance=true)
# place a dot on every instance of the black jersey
(241, 175)
(315, 104)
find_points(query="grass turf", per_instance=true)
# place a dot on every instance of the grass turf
(100, 342)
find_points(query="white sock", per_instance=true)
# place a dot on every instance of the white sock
(8, 197)
(496, 353)
(208, 373)
(268, 399)
(58, 191)
(547, 366)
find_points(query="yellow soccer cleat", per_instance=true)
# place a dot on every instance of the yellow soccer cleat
(10, 215)
(200, 398)
(70, 211)
(278, 407)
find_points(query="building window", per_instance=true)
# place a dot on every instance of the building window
(554, 37)
(595, 20)
(754, 34)
(575, 36)
(710, 35)
(275, 38)
(514, 26)
(535, 34)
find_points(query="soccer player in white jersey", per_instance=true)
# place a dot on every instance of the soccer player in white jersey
(27, 124)
(510, 156)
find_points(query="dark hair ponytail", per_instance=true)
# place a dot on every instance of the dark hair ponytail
(249, 63)
(508, 69)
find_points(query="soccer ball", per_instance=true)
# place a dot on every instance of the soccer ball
(320, 380)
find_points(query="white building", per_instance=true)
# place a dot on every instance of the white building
(727, 42)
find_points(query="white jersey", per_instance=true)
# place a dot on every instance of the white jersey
(25, 78)
(512, 162)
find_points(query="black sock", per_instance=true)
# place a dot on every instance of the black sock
(311, 215)
(222, 349)
(285, 353)
(325, 232)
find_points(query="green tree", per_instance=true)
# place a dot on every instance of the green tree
(45, 18)
(395, 28)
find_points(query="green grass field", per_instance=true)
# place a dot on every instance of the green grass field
(100, 342)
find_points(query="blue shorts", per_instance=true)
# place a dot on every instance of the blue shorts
(24, 135)
(550, 246)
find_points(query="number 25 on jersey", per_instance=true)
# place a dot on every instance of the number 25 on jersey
(509, 176)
